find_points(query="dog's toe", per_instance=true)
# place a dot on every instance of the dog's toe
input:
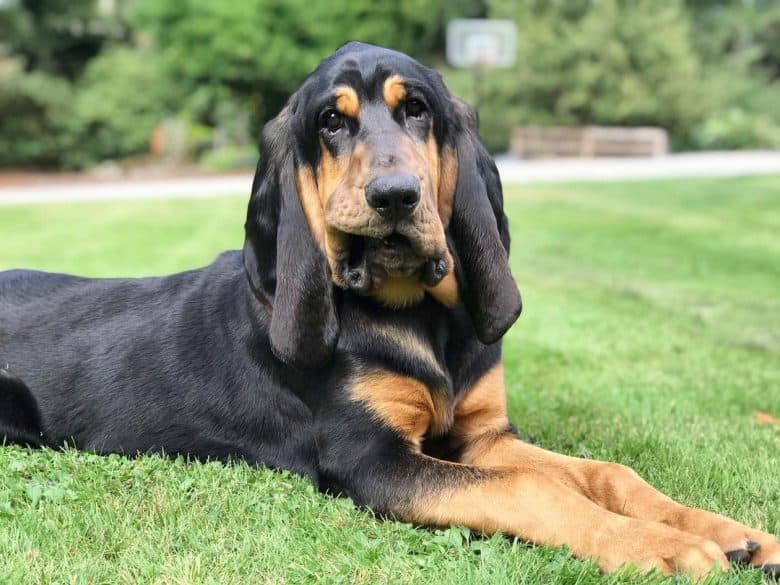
(740, 557)
(772, 571)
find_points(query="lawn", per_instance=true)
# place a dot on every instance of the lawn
(650, 336)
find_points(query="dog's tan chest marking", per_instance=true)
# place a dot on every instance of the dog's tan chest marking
(408, 406)
(482, 408)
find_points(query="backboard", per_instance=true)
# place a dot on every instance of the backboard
(476, 42)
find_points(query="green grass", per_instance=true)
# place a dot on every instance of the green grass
(650, 336)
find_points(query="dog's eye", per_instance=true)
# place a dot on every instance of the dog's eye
(332, 121)
(414, 108)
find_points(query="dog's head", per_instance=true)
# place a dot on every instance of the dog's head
(373, 179)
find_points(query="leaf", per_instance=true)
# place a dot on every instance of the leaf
(34, 493)
(763, 418)
(6, 509)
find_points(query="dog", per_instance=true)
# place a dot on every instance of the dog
(355, 340)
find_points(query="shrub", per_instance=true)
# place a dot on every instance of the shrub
(35, 110)
(607, 62)
(229, 157)
(260, 50)
(122, 96)
(735, 128)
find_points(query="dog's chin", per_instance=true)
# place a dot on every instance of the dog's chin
(370, 262)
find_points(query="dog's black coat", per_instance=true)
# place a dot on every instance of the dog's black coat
(249, 357)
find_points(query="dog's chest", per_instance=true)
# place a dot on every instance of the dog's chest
(407, 405)
(408, 386)
(414, 365)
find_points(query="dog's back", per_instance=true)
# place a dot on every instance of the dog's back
(18, 287)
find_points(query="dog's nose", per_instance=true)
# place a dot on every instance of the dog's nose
(395, 196)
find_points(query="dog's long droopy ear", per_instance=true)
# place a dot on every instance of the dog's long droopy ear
(480, 232)
(286, 268)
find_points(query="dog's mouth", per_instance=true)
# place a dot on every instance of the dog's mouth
(369, 261)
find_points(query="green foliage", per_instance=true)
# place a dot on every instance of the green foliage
(608, 62)
(100, 80)
(122, 96)
(739, 44)
(735, 128)
(35, 110)
(58, 37)
(262, 49)
(747, 31)
(229, 157)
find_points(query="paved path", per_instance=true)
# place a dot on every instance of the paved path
(695, 164)
(513, 170)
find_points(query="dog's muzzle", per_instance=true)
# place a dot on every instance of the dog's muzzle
(392, 233)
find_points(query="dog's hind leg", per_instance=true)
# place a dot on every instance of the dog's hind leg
(20, 419)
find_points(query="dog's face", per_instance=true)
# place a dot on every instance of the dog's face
(373, 179)
(371, 184)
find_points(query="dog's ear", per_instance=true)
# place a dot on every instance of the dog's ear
(480, 231)
(286, 268)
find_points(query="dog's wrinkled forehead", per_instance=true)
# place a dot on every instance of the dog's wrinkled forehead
(366, 69)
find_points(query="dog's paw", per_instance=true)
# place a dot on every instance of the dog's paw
(696, 558)
(742, 545)
(650, 545)
(767, 555)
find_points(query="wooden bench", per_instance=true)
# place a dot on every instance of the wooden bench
(588, 141)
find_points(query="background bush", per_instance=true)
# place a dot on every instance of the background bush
(630, 62)
(35, 109)
(258, 51)
(122, 95)
(80, 84)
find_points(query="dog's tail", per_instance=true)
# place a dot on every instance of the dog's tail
(20, 418)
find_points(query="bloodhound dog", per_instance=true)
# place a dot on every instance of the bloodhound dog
(355, 340)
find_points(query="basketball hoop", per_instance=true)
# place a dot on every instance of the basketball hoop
(474, 42)
(479, 44)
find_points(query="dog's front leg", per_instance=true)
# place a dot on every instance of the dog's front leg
(481, 430)
(369, 442)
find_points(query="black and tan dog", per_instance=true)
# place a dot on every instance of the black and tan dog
(354, 340)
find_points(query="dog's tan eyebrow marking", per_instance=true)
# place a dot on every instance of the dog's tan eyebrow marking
(347, 101)
(394, 91)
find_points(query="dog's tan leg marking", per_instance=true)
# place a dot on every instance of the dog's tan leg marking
(480, 423)
(490, 495)
(538, 508)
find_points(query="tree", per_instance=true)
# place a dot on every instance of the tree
(625, 62)
(748, 30)
(262, 49)
(59, 37)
